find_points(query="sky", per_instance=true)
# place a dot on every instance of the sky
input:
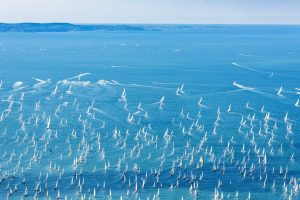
(152, 11)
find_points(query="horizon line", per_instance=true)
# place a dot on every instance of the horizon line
(130, 23)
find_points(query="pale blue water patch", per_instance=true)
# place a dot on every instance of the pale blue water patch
(149, 65)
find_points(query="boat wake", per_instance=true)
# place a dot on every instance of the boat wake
(252, 69)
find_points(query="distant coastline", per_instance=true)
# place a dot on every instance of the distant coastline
(69, 27)
(63, 27)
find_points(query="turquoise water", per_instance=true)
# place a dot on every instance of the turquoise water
(89, 123)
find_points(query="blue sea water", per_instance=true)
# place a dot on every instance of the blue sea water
(89, 119)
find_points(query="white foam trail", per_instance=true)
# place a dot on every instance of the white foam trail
(251, 89)
(196, 84)
(264, 94)
(30, 91)
(251, 69)
(148, 86)
(78, 76)
(104, 113)
(75, 83)
(127, 67)
(241, 66)
(242, 86)
(17, 85)
(103, 83)
(247, 55)
(119, 66)
(288, 91)
(99, 111)
(133, 67)
(230, 91)
(113, 82)
(116, 43)
(41, 82)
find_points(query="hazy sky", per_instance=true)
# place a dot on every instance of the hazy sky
(151, 11)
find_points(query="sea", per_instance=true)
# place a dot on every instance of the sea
(175, 112)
